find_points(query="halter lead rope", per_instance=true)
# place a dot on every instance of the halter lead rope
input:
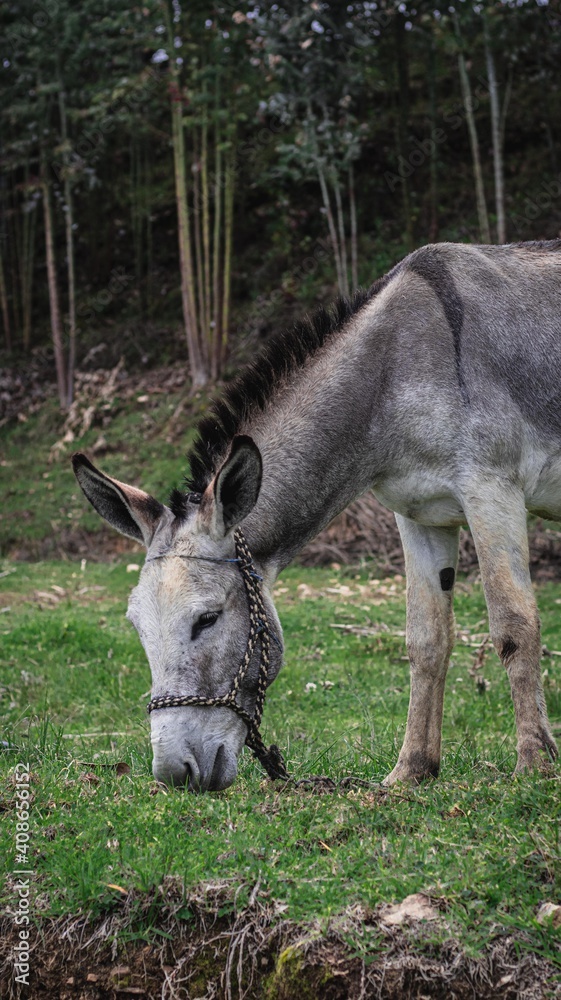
(259, 631)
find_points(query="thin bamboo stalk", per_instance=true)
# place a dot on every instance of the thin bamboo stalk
(433, 163)
(333, 175)
(27, 273)
(5, 310)
(312, 138)
(70, 265)
(229, 185)
(196, 227)
(330, 223)
(205, 221)
(56, 326)
(482, 215)
(215, 331)
(199, 373)
(495, 132)
(354, 244)
(341, 226)
(403, 118)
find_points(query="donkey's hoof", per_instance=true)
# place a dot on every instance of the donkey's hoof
(412, 770)
(538, 755)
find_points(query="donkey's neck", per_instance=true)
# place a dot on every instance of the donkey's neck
(317, 441)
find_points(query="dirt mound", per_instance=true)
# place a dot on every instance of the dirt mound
(196, 950)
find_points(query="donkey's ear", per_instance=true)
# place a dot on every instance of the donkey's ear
(234, 491)
(130, 511)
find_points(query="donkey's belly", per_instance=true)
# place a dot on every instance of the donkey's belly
(424, 499)
(544, 498)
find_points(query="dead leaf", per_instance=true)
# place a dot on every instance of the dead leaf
(43, 595)
(120, 768)
(121, 970)
(549, 911)
(414, 907)
(119, 888)
(455, 811)
(90, 778)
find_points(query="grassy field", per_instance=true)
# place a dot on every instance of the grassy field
(482, 847)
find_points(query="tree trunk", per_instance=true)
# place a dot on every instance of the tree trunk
(199, 372)
(403, 119)
(341, 227)
(330, 224)
(69, 226)
(196, 227)
(199, 375)
(206, 306)
(5, 310)
(3, 290)
(310, 125)
(229, 180)
(482, 215)
(433, 163)
(26, 274)
(56, 326)
(495, 132)
(354, 246)
(215, 331)
(148, 216)
(333, 175)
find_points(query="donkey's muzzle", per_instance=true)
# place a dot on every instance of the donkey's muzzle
(213, 768)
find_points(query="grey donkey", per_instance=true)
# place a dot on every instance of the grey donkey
(438, 389)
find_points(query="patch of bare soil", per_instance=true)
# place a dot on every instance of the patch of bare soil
(198, 952)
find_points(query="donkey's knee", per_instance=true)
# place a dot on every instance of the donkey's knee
(430, 640)
(516, 633)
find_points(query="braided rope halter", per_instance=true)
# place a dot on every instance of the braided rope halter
(259, 632)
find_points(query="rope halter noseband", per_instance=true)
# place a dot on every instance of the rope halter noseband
(259, 632)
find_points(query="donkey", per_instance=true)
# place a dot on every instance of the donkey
(438, 389)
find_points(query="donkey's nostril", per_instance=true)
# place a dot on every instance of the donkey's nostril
(193, 775)
(218, 769)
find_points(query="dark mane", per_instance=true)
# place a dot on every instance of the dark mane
(254, 387)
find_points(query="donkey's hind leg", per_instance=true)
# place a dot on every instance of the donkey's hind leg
(430, 564)
(496, 514)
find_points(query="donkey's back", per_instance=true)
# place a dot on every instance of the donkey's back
(507, 324)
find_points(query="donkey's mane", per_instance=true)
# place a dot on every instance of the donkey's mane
(256, 385)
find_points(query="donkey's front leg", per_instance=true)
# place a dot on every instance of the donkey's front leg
(496, 514)
(430, 564)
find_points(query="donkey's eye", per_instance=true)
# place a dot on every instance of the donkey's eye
(204, 621)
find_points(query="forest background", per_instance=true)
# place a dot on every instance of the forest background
(179, 180)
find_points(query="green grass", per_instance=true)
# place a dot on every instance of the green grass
(485, 845)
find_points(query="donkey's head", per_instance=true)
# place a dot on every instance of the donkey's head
(192, 613)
